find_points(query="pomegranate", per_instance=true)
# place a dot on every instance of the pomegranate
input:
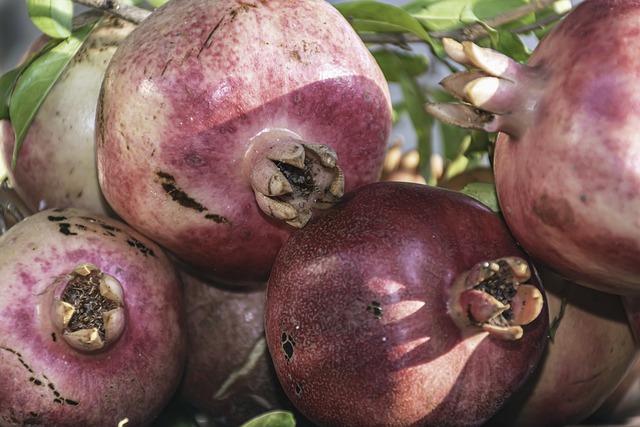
(56, 164)
(239, 383)
(566, 159)
(591, 350)
(91, 323)
(621, 407)
(403, 305)
(224, 124)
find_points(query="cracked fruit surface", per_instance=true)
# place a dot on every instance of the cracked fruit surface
(91, 323)
(566, 161)
(404, 305)
(224, 125)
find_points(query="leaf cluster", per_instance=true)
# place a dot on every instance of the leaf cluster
(397, 36)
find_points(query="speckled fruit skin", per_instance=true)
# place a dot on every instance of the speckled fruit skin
(592, 349)
(189, 89)
(56, 165)
(45, 381)
(569, 185)
(356, 312)
(229, 373)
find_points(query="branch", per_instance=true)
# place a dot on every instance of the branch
(130, 13)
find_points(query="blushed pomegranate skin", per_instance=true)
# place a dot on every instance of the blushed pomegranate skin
(592, 349)
(566, 161)
(56, 165)
(581, 218)
(358, 316)
(189, 91)
(48, 382)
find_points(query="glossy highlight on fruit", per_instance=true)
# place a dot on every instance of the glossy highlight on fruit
(566, 163)
(224, 125)
(404, 305)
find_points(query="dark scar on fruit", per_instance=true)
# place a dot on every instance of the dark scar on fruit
(375, 308)
(135, 243)
(168, 183)
(207, 42)
(288, 344)
(65, 228)
(44, 382)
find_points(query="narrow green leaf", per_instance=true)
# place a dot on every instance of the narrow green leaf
(372, 16)
(444, 15)
(156, 3)
(272, 419)
(52, 17)
(9, 79)
(414, 64)
(484, 193)
(36, 81)
(564, 300)
(414, 101)
(7, 83)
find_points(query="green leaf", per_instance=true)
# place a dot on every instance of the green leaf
(414, 64)
(38, 78)
(9, 79)
(7, 83)
(443, 15)
(52, 17)
(272, 419)
(564, 299)
(414, 101)
(484, 193)
(372, 16)
(157, 3)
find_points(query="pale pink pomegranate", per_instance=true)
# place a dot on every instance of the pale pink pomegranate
(224, 124)
(567, 161)
(92, 326)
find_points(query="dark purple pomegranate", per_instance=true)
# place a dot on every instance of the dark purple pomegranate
(404, 305)
(566, 161)
(224, 124)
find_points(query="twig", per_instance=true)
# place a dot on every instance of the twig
(130, 13)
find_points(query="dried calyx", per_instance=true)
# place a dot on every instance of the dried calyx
(493, 297)
(291, 177)
(495, 93)
(88, 309)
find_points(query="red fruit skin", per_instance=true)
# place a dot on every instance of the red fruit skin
(592, 349)
(356, 312)
(188, 90)
(45, 381)
(569, 185)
